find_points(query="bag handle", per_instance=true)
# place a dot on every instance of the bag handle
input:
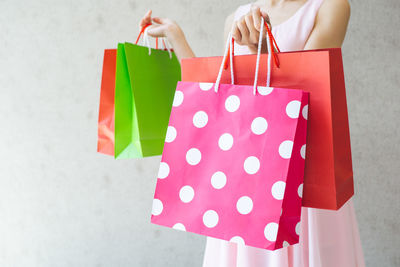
(146, 41)
(228, 49)
(276, 60)
(273, 44)
(141, 32)
(270, 50)
(231, 52)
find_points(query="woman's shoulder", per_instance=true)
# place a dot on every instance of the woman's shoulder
(330, 24)
(333, 12)
(334, 8)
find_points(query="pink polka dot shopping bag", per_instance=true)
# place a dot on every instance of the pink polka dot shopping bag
(233, 162)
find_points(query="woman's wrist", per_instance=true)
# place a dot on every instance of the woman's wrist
(176, 37)
(169, 29)
(174, 33)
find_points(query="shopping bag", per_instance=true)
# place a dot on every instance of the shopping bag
(233, 163)
(146, 79)
(105, 131)
(328, 180)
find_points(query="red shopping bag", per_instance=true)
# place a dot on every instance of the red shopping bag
(105, 141)
(328, 181)
(233, 161)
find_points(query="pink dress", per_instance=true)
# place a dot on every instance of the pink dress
(327, 238)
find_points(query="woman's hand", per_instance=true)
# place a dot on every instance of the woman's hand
(164, 27)
(246, 30)
(161, 27)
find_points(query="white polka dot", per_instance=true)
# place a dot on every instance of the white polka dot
(293, 109)
(200, 119)
(193, 156)
(285, 244)
(179, 226)
(244, 205)
(300, 191)
(232, 103)
(271, 231)
(285, 149)
(278, 190)
(305, 112)
(163, 171)
(178, 98)
(171, 134)
(238, 240)
(218, 180)
(263, 90)
(298, 228)
(157, 207)
(205, 86)
(303, 151)
(225, 141)
(210, 218)
(251, 165)
(186, 194)
(259, 125)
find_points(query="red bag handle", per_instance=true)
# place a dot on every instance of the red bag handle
(272, 43)
(142, 32)
(226, 63)
(165, 47)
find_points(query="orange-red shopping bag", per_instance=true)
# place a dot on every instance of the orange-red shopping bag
(328, 180)
(105, 141)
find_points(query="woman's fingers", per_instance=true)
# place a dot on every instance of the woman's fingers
(253, 33)
(236, 33)
(156, 30)
(160, 27)
(157, 20)
(265, 16)
(247, 29)
(258, 13)
(162, 20)
(146, 19)
(244, 32)
(255, 11)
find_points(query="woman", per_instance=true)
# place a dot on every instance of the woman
(328, 238)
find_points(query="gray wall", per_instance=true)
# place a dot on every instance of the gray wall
(62, 204)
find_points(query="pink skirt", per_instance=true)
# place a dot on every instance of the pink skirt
(327, 239)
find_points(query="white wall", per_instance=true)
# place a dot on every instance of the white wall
(62, 204)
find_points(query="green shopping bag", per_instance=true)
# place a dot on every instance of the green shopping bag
(145, 84)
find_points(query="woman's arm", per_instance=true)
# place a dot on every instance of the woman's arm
(165, 27)
(330, 25)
